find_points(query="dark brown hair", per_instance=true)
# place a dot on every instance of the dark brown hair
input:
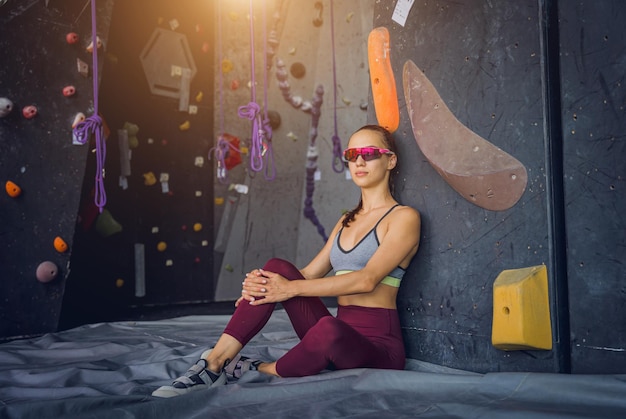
(385, 135)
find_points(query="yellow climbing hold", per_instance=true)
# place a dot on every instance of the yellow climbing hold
(149, 179)
(521, 310)
(184, 126)
(227, 66)
(161, 246)
(197, 227)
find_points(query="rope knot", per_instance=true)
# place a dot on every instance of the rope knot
(249, 111)
(90, 125)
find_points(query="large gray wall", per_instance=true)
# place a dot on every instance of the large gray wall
(496, 65)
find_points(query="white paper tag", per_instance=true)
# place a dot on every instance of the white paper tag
(401, 12)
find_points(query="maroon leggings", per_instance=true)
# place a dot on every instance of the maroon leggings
(359, 337)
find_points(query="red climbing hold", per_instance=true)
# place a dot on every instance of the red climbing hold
(69, 91)
(71, 38)
(29, 111)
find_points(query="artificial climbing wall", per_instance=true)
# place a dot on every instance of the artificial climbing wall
(152, 244)
(46, 70)
(267, 219)
(494, 67)
(594, 173)
(535, 88)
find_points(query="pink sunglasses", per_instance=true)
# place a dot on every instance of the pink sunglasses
(368, 153)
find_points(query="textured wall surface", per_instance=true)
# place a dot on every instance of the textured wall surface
(38, 155)
(593, 66)
(268, 221)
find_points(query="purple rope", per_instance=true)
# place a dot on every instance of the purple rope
(93, 124)
(338, 165)
(252, 111)
(267, 127)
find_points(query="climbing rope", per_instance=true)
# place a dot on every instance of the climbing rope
(338, 165)
(260, 142)
(93, 124)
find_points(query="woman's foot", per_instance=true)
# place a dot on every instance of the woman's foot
(198, 377)
(239, 365)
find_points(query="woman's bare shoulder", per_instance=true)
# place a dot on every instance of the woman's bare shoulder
(406, 211)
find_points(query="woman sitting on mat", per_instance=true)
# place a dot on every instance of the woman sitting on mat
(369, 250)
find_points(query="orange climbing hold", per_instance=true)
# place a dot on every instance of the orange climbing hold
(382, 79)
(60, 245)
(12, 189)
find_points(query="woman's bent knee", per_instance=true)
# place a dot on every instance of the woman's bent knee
(283, 267)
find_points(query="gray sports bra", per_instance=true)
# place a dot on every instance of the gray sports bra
(344, 261)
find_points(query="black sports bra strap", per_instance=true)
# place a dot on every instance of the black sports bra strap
(384, 215)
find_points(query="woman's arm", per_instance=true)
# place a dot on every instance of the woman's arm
(398, 243)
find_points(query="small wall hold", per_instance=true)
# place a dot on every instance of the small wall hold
(98, 43)
(46, 272)
(318, 20)
(69, 91)
(197, 227)
(149, 179)
(132, 130)
(521, 310)
(6, 106)
(184, 126)
(176, 71)
(119, 283)
(29, 111)
(72, 38)
(106, 225)
(78, 118)
(161, 246)
(234, 84)
(274, 118)
(199, 97)
(60, 245)
(227, 66)
(298, 70)
(242, 189)
(12, 189)
(83, 67)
